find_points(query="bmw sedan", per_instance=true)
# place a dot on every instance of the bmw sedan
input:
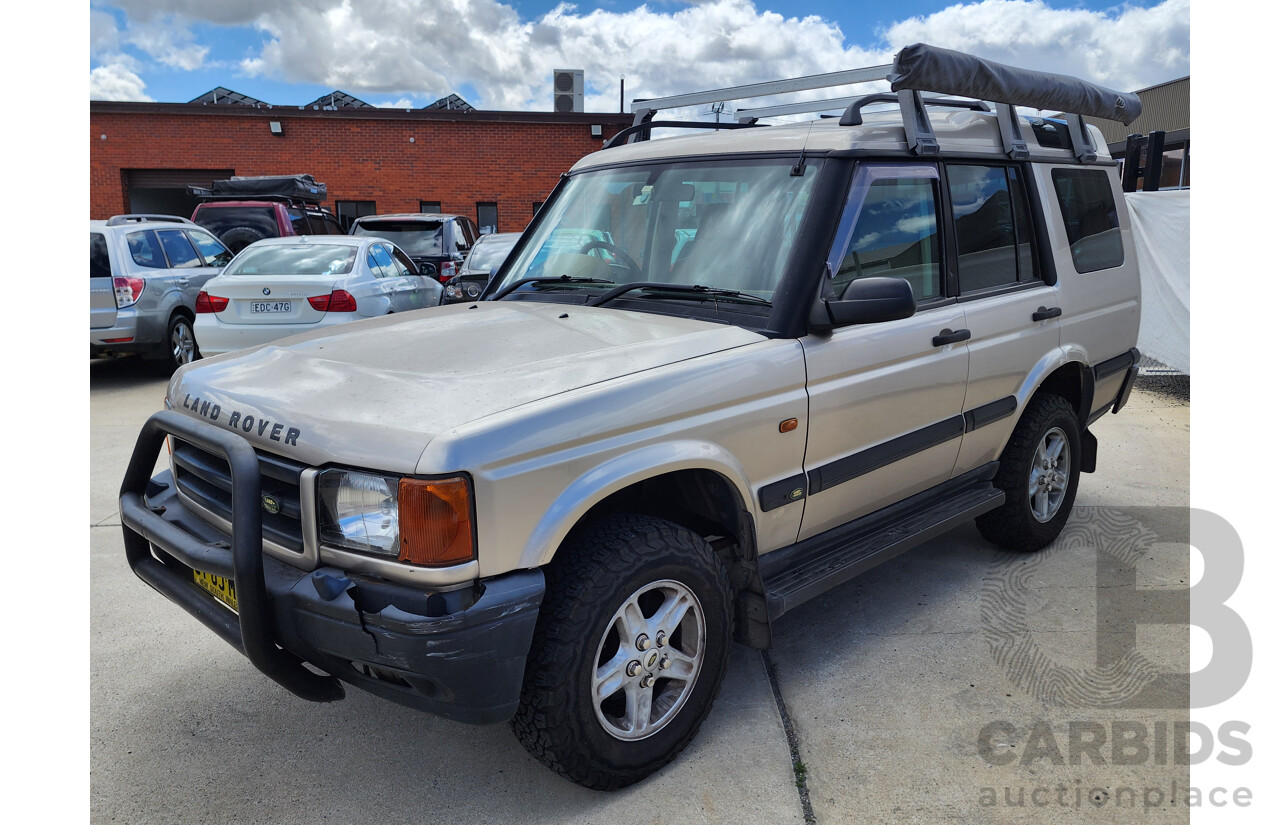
(282, 286)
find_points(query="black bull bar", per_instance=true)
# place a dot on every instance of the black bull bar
(252, 632)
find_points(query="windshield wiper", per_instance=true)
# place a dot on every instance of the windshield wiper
(562, 279)
(693, 289)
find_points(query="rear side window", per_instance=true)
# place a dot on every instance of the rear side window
(99, 262)
(993, 227)
(145, 250)
(220, 220)
(1089, 213)
(181, 254)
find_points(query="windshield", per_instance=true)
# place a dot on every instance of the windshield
(294, 259)
(721, 225)
(418, 238)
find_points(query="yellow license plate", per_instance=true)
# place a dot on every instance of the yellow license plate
(224, 590)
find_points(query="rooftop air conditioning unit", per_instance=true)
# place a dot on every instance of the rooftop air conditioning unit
(567, 90)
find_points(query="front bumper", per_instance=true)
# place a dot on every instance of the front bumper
(457, 653)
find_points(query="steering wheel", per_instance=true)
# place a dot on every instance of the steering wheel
(617, 253)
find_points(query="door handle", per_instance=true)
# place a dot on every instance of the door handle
(1045, 313)
(184, 281)
(948, 337)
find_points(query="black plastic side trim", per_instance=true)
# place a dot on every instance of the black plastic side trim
(989, 413)
(773, 496)
(882, 455)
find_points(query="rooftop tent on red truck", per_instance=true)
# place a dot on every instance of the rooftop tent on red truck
(241, 210)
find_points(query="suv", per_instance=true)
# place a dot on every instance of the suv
(145, 272)
(485, 258)
(437, 243)
(241, 210)
(875, 329)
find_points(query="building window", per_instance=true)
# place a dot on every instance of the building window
(429, 206)
(487, 217)
(348, 211)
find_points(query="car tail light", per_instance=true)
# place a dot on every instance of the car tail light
(337, 301)
(127, 290)
(210, 303)
(447, 270)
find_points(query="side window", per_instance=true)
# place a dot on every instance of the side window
(99, 262)
(986, 237)
(145, 250)
(181, 254)
(331, 225)
(211, 249)
(1089, 213)
(429, 207)
(896, 236)
(403, 261)
(380, 262)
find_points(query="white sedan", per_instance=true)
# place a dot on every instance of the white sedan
(282, 286)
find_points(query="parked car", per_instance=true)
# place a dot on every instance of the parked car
(282, 286)
(484, 259)
(563, 504)
(145, 272)
(438, 243)
(242, 210)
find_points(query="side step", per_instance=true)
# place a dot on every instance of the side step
(795, 574)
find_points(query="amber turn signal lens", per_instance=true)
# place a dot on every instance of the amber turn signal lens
(435, 521)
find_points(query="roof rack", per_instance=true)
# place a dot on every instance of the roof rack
(121, 220)
(922, 68)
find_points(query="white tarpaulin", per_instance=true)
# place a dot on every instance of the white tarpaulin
(1162, 234)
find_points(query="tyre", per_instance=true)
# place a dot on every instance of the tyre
(180, 343)
(1039, 472)
(239, 237)
(629, 651)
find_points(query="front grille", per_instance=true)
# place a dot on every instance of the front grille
(205, 479)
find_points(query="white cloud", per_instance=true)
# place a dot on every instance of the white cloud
(430, 48)
(402, 103)
(170, 42)
(104, 36)
(114, 81)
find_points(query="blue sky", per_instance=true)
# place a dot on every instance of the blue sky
(500, 55)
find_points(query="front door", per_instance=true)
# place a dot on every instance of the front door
(885, 400)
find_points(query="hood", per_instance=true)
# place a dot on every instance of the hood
(374, 393)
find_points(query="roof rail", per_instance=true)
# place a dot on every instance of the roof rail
(923, 68)
(121, 220)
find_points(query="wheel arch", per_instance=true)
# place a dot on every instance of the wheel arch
(697, 486)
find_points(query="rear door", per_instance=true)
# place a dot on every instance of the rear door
(1012, 312)
(102, 299)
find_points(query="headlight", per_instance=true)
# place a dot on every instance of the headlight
(417, 521)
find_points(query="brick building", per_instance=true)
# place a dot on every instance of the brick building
(492, 166)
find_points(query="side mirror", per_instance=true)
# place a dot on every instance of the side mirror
(865, 301)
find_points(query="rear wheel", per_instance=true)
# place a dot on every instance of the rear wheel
(1039, 473)
(629, 653)
(181, 343)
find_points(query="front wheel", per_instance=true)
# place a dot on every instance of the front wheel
(629, 653)
(1039, 473)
